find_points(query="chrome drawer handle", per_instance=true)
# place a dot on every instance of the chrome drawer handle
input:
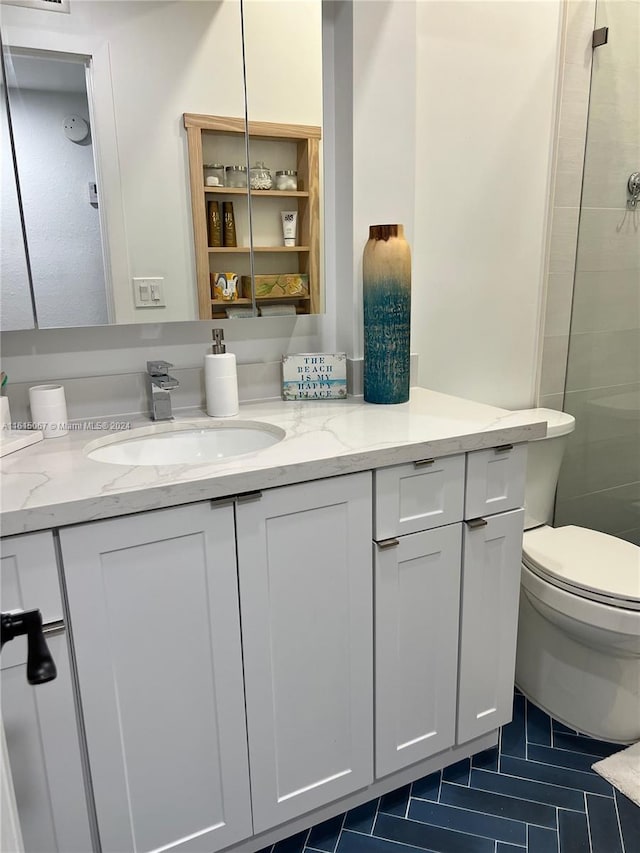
(387, 543)
(248, 497)
(477, 523)
(503, 448)
(422, 463)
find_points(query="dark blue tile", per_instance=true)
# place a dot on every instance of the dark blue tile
(513, 740)
(501, 847)
(353, 842)
(603, 823)
(573, 832)
(458, 772)
(266, 849)
(498, 804)
(538, 726)
(361, 818)
(462, 820)
(561, 758)
(396, 802)
(426, 837)
(324, 836)
(427, 788)
(526, 789)
(587, 745)
(560, 727)
(555, 775)
(541, 840)
(294, 844)
(629, 822)
(486, 760)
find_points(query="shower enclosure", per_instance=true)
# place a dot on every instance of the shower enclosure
(599, 484)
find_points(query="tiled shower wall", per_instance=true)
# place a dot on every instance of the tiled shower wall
(600, 480)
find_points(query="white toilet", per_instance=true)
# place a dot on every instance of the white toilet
(578, 652)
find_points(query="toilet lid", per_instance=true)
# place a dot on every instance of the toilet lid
(588, 563)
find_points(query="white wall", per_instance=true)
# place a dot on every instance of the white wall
(485, 107)
(63, 228)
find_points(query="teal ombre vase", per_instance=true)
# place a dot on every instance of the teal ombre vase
(386, 286)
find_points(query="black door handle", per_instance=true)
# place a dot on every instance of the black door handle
(40, 665)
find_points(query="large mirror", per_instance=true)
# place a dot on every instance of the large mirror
(98, 96)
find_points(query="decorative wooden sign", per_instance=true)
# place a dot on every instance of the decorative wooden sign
(314, 376)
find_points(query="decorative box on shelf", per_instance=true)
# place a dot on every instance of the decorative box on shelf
(289, 285)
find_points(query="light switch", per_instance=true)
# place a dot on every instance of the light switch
(148, 293)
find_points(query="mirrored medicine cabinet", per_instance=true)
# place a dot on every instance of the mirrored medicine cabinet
(114, 110)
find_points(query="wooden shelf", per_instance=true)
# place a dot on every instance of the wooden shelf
(298, 147)
(257, 193)
(275, 300)
(244, 250)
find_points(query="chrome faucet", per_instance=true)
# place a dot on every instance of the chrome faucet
(160, 384)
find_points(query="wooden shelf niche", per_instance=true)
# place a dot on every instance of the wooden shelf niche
(281, 146)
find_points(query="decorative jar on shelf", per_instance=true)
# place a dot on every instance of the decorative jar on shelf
(287, 180)
(260, 177)
(214, 174)
(236, 177)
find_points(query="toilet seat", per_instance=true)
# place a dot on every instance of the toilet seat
(586, 563)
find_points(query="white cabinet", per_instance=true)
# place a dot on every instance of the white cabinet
(492, 553)
(216, 639)
(417, 600)
(495, 480)
(304, 559)
(154, 611)
(446, 603)
(40, 721)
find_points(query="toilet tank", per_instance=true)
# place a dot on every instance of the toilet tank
(544, 457)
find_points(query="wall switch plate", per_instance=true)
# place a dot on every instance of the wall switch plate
(149, 293)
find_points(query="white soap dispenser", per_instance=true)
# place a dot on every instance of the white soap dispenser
(220, 379)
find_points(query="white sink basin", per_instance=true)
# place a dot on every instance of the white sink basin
(194, 443)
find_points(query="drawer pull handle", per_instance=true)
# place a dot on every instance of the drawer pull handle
(51, 629)
(503, 448)
(422, 463)
(387, 543)
(249, 496)
(477, 523)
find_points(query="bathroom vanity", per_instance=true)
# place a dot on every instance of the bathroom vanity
(248, 647)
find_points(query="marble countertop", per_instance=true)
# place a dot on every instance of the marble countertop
(54, 483)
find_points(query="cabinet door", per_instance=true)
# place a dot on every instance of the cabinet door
(491, 565)
(153, 601)
(40, 721)
(304, 560)
(417, 602)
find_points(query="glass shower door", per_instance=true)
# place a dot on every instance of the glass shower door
(599, 485)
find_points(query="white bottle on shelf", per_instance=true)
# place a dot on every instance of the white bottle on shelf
(220, 379)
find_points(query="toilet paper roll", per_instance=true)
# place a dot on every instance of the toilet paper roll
(49, 409)
(5, 414)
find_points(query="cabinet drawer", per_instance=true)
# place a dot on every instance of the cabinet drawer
(28, 581)
(418, 496)
(495, 480)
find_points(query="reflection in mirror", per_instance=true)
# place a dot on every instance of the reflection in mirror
(147, 63)
(54, 153)
(16, 310)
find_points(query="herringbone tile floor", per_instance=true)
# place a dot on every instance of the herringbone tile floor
(534, 793)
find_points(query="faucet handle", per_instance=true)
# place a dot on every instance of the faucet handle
(158, 368)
